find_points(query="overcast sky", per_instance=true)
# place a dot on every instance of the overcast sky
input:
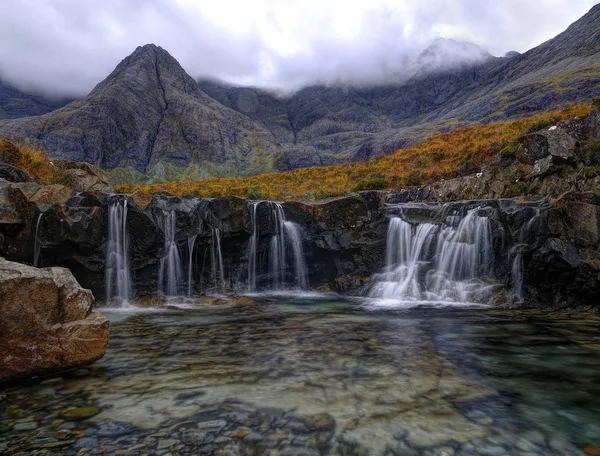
(67, 46)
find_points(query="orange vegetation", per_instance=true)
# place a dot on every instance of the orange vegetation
(459, 152)
(34, 161)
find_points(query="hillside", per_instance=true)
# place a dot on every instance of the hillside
(150, 121)
(459, 152)
(149, 115)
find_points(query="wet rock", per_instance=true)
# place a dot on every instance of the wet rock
(253, 438)
(166, 443)
(28, 426)
(114, 429)
(87, 442)
(81, 413)
(47, 322)
(319, 422)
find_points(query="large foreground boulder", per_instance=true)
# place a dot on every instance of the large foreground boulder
(46, 322)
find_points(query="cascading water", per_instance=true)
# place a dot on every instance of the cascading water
(218, 273)
(516, 273)
(37, 247)
(170, 273)
(286, 255)
(438, 264)
(117, 273)
(252, 245)
(190, 279)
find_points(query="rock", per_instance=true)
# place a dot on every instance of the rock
(253, 438)
(29, 426)
(114, 429)
(87, 443)
(319, 422)
(557, 143)
(166, 443)
(12, 173)
(47, 322)
(83, 177)
(81, 413)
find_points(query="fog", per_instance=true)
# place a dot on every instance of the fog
(65, 47)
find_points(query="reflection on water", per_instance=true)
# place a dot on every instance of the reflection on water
(300, 376)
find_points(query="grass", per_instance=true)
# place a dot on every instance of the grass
(33, 160)
(459, 152)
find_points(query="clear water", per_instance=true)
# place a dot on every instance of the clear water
(321, 375)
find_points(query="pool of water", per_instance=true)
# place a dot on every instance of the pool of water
(304, 375)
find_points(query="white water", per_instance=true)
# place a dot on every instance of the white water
(37, 247)
(436, 264)
(517, 270)
(286, 266)
(251, 251)
(216, 256)
(117, 274)
(170, 273)
(190, 280)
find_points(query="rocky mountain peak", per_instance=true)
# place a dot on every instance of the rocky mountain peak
(148, 67)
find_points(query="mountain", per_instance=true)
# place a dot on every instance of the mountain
(16, 103)
(151, 116)
(333, 124)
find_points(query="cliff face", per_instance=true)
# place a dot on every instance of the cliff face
(344, 239)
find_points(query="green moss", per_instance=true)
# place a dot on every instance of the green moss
(595, 101)
(537, 126)
(510, 151)
(371, 184)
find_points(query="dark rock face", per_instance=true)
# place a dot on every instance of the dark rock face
(344, 239)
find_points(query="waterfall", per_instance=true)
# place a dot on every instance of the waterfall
(436, 263)
(286, 265)
(37, 247)
(252, 244)
(117, 273)
(516, 273)
(216, 256)
(170, 272)
(190, 281)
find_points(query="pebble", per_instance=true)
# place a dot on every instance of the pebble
(401, 434)
(80, 413)
(29, 426)
(253, 437)
(166, 443)
(213, 424)
(197, 438)
(299, 427)
(114, 429)
(87, 442)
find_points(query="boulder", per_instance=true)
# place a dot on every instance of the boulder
(83, 177)
(557, 142)
(46, 321)
(12, 173)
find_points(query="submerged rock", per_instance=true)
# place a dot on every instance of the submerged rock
(46, 321)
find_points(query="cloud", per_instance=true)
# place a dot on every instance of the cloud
(67, 46)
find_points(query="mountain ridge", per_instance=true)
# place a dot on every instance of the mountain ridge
(150, 116)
